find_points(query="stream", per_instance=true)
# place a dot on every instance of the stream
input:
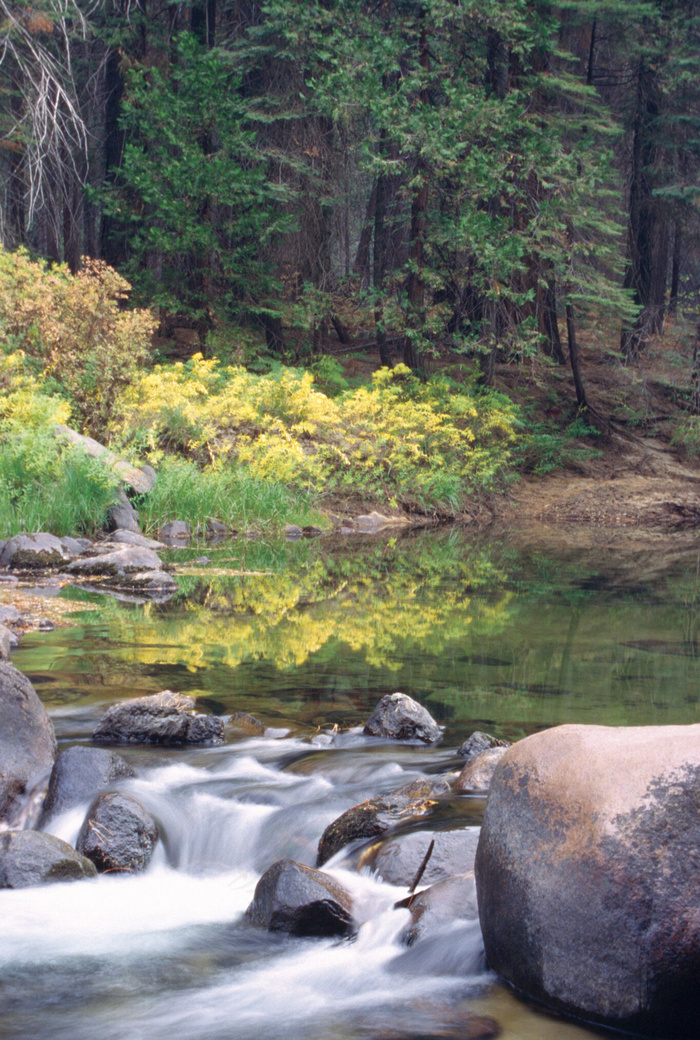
(486, 635)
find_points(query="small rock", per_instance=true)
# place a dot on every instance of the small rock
(478, 772)
(5, 643)
(291, 897)
(175, 532)
(311, 532)
(398, 717)
(242, 720)
(371, 523)
(213, 531)
(156, 582)
(202, 561)
(479, 742)
(79, 773)
(129, 560)
(164, 718)
(378, 815)
(293, 533)
(45, 624)
(123, 516)
(33, 552)
(118, 834)
(123, 537)
(9, 615)
(30, 858)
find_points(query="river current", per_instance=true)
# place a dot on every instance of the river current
(484, 636)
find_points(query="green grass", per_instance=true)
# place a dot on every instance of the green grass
(229, 494)
(45, 486)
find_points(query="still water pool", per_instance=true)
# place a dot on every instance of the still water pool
(308, 638)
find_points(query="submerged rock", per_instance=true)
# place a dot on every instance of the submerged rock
(398, 859)
(479, 742)
(27, 742)
(478, 772)
(163, 718)
(30, 858)
(293, 898)
(79, 773)
(588, 874)
(118, 834)
(246, 723)
(33, 552)
(398, 717)
(378, 815)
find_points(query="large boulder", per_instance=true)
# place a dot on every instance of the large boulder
(27, 742)
(118, 834)
(142, 480)
(79, 773)
(588, 874)
(398, 717)
(31, 858)
(398, 859)
(291, 897)
(379, 815)
(33, 552)
(163, 718)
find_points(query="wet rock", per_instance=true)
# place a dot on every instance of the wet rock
(79, 773)
(122, 516)
(164, 718)
(202, 561)
(478, 772)
(293, 898)
(246, 723)
(30, 858)
(479, 742)
(213, 531)
(129, 560)
(33, 552)
(311, 532)
(175, 532)
(398, 717)
(588, 874)
(379, 815)
(452, 899)
(5, 643)
(118, 834)
(157, 583)
(398, 859)
(122, 537)
(372, 523)
(292, 532)
(27, 742)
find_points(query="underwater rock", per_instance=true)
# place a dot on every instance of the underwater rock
(398, 717)
(290, 897)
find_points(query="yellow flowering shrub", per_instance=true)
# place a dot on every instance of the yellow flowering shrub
(396, 440)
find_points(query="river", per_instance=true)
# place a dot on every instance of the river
(486, 635)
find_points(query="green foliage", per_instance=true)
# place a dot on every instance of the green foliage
(399, 441)
(74, 330)
(544, 448)
(191, 199)
(686, 434)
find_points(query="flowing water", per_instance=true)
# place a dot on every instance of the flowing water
(486, 637)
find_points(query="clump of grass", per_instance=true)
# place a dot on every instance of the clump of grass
(46, 486)
(227, 493)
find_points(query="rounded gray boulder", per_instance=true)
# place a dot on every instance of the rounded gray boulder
(33, 552)
(79, 773)
(291, 897)
(118, 834)
(30, 858)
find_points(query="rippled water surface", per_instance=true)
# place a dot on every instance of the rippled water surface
(485, 636)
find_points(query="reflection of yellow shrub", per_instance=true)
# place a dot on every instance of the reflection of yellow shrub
(74, 328)
(396, 440)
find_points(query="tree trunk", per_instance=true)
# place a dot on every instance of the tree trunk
(360, 268)
(419, 209)
(574, 359)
